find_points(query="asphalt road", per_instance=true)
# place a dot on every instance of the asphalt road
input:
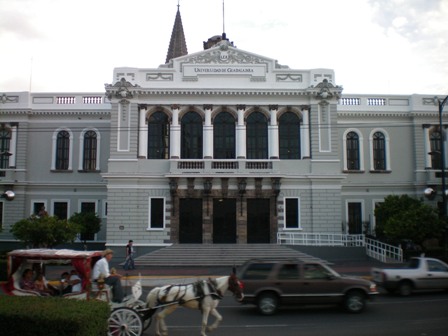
(423, 314)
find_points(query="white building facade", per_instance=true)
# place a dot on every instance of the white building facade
(218, 146)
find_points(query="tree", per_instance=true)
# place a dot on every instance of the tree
(45, 231)
(88, 223)
(403, 217)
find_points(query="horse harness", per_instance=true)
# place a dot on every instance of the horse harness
(199, 291)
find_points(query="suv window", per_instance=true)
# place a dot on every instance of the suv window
(258, 271)
(315, 271)
(289, 272)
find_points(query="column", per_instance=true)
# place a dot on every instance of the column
(273, 133)
(175, 133)
(142, 133)
(207, 141)
(305, 133)
(241, 133)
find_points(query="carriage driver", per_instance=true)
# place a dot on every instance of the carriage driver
(101, 268)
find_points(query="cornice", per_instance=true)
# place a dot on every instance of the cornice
(33, 114)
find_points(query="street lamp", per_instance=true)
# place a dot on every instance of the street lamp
(442, 104)
(207, 191)
(242, 190)
(8, 195)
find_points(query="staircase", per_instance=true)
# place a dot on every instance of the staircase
(196, 255)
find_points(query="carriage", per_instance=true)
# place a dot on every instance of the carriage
(127, 318)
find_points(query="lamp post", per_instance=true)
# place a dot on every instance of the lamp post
(242, 190)
(441, 103)
(207, 191)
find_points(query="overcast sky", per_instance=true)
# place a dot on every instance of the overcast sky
(374, 46)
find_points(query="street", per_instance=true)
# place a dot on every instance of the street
(421, 314)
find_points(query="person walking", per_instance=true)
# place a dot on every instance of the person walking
(129, 262)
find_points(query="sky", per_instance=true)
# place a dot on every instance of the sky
(374, 46)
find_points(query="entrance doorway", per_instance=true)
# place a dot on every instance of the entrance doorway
(190, 221)
(224, 221)
(258, 221)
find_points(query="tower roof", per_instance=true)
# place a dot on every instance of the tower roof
(178, 46)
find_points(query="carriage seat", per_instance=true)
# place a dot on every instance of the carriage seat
(98, 293)
(18, 291)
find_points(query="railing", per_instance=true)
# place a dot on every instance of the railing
(320, 239)
(375, 249)
(383, 252)
(71, 100)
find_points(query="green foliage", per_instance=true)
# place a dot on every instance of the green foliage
(44, 231)
(51, 316)
(404, 217)
(88, 223)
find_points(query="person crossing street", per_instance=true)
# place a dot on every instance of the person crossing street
(129, 262)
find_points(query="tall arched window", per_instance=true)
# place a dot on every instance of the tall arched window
(257, 136)
(353, 151)
(62, 150)
(434, 140)
(158, 136)
(89, 162)
(5, 141)
(224, 136)
(191, 136)
(289, 136)
(379, 151)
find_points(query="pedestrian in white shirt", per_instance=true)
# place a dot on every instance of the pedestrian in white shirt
(101, 269)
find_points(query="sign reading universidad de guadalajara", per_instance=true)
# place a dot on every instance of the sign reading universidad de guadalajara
(193, 70)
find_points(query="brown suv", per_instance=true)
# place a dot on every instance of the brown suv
(270, 283)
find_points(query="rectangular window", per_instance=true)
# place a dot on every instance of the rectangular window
(355, 218)
(156, 213)
(60, 210)
(104, 209)
(1, 215)
(37, 208)
(88, 207)
(292, 213)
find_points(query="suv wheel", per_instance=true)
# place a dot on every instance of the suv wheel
(267, 303)
(355, 302)
(405, 288)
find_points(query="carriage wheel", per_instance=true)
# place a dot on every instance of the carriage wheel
(125, 322)
(145, 314)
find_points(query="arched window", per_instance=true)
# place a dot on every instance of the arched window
(5, 141)
(257, 136)
(90, 151)
(352, 144)
(289, 136)
(62, 150)
(379, 151)
(191, 136)
(158, 136)
(434, 140)
(224, 136)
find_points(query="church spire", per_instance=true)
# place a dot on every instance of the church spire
(178, 46)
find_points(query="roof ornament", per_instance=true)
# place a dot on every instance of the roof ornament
(120, 89)
(325, 90)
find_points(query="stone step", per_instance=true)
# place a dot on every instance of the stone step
(218, 255)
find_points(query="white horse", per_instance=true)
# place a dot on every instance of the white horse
(203, 295)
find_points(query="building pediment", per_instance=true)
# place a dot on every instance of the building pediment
(226, 55)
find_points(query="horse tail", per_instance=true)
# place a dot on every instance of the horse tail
(152, 298)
